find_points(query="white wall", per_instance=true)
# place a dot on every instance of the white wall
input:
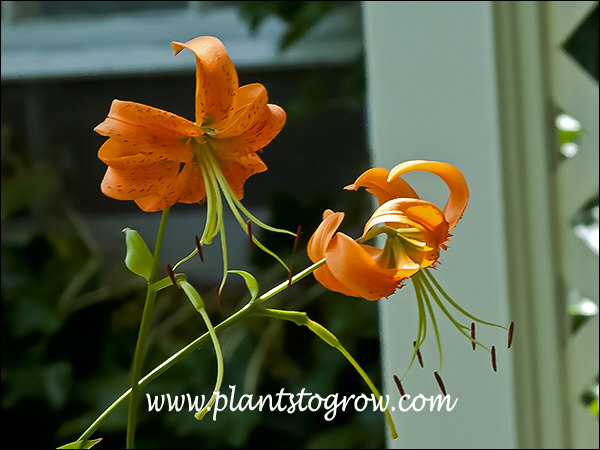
(432, 95)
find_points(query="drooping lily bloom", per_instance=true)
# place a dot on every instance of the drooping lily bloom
(415, 230)
(157, 158)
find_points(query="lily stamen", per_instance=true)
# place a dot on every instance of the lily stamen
(249, 228)
(199, 247)
(419, 357)
(399, 385)
(440, 382)
(172, 275)
(297, 240)
(290, 276)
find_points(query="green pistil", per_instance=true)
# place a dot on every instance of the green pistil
(216, 185)
(398, 244)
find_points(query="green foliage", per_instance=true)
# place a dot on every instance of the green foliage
(79, 444)
(299, 17)
(250, 281)
(589, 396)
(138, 258)
(71, 312)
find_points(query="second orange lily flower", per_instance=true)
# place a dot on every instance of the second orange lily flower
(415, 230)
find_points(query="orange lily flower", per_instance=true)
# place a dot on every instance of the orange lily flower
(415, 230)
(157, 158)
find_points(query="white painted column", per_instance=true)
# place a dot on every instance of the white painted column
(432, 95)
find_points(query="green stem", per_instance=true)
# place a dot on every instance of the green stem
(196, 300)
(242, 314)
(220, 365)
(367, 380)
(138, 358)
(301, 318)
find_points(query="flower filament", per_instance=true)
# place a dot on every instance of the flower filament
(216, 186)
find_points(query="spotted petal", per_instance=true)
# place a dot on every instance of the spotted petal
(216, 78)
(255, 138)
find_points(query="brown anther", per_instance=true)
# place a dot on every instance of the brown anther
(290, 276)
(440, 382)
(511, 330)
(399, 385)
(199, 248)
(249, 225)
(172, 275)
(473, 336)
(297, 240)
(494, 359)
(419, 357)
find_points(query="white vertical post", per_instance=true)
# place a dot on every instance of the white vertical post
(432, 95)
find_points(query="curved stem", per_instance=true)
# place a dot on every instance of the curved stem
(166, 365)
(242, 314)
(220, 365)
(367, 380)
(140, 350)
(301, 318)
(198, 303)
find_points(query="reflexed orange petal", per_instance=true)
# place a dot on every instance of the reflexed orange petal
(255, 138)
(421, 212)
(138, 181)
(238, 170)
(122, 155)
(354, 267)
(147, 120)
(454, 179)
(317, 244)
(375, 180)
(250, 103)
(216, 78)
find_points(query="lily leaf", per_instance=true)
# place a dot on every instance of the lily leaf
(192, 295)
(81, 444)
(251, 282)
(139, 258)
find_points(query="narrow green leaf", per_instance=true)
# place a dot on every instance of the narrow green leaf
(192, 295)
(251, 282)
(138, 258)
(81, 444)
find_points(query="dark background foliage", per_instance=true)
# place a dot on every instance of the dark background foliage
(71, 310)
